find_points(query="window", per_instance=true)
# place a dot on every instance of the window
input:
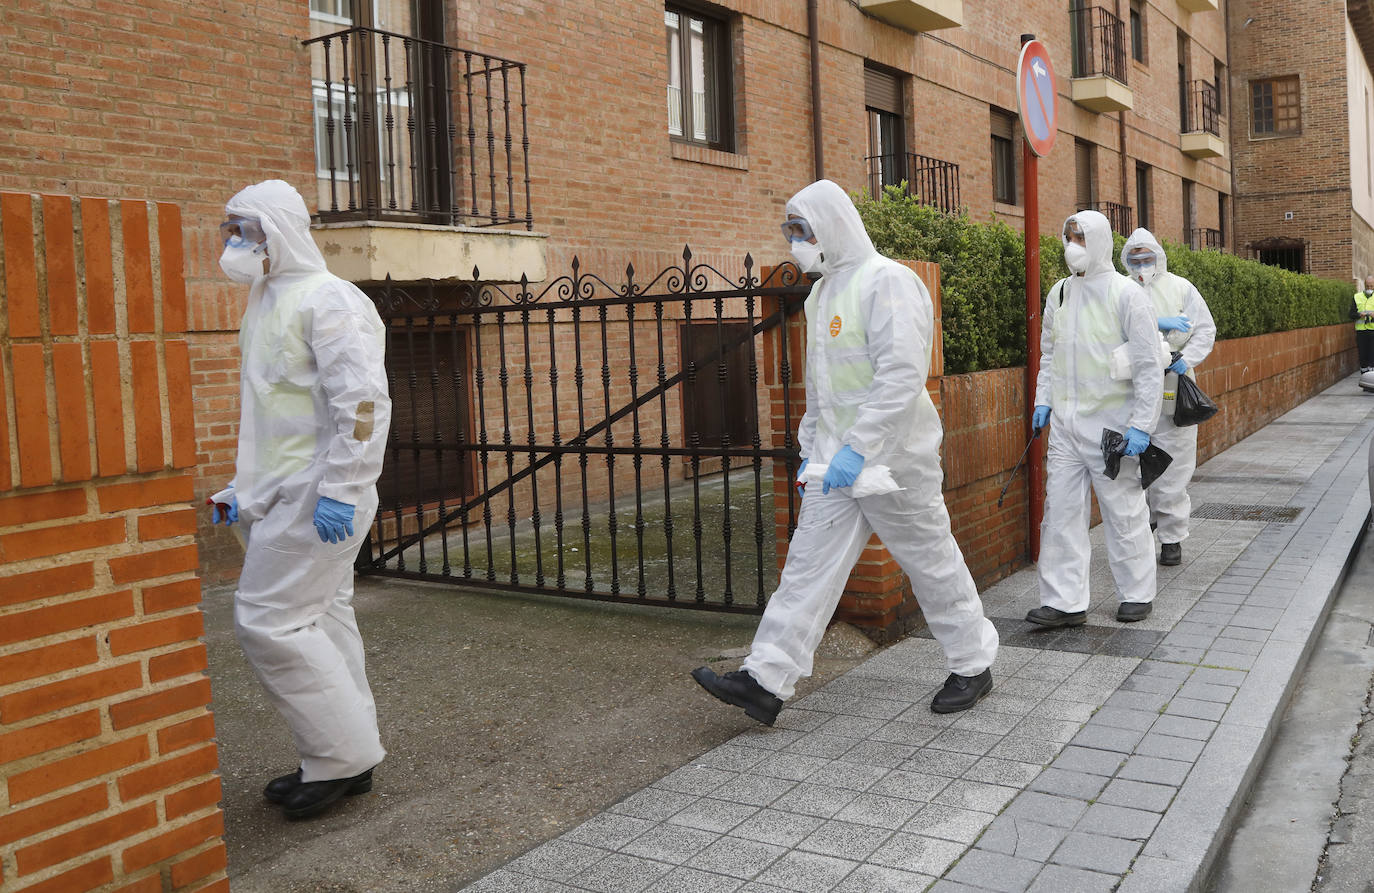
(1219, 81)
(1221, 219)
(1289, 254)
(1084, 165)
(340, 12)
(1142, 193)
(1184, 124)
(1003, 157)
(1275, 108)
(1189, 211)
(700, 96)
(1138, 30)
(886, 129)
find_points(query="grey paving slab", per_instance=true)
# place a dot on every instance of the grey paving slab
(1107, 758)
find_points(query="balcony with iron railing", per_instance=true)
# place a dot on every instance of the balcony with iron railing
(422, 155)
(1204, 239)
(928, 180)
(1098, 43)
(1200, 136)
(1120, 216)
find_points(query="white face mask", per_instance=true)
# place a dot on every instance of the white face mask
(243, 263)
(1145, 273)
(1076, 256)
(809, 257)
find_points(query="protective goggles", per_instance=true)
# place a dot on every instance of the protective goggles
(797, 230)
(1139, 261)
(241, 231)
(1073, 231)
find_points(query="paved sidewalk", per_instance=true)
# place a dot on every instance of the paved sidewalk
(1109, 757)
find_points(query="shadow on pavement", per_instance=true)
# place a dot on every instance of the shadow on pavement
(508, 720)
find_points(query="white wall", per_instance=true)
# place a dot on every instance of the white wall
(1361, 86)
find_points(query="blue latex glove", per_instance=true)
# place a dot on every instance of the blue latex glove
(1178, 367)
(1040, 418)
(801, 487)
(224, 512)
(843, 470)
(1174, 324)
(1136, 442)
(333, 520)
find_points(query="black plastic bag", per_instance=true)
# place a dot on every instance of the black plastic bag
(1113, 448)
(1190, 404)
(1153, 461)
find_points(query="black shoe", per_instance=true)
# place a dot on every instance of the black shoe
(278, 788)
(313, 797)
(742, 690)
(962, 692)
(1170, 554)
(1130, 612)
(1052, 617)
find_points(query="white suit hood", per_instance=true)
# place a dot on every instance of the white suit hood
(1143, 238)
(835, 221)
(285, 220)
(1097, 239)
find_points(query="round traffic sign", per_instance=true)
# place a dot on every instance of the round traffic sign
(1036, 97)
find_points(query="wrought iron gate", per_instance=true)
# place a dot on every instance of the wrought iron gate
(501, 473)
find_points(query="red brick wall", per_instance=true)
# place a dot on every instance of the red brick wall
(107, 758)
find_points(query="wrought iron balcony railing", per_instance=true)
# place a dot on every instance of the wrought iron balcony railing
(1120, 216)
(411, 129)
(928, 180)
(1203, 110)
(1098, 42)
(1202, 238)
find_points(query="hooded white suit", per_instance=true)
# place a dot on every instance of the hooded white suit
(1085, 318)
(315, 414)
(1173, 295)
(870, 329)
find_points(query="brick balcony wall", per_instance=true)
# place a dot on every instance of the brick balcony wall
(107, 759)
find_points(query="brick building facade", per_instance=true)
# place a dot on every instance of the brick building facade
(1304, 185)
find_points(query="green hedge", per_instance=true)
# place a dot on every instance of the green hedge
(982, 273)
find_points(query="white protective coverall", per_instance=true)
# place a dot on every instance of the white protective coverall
(1173, 295)
(315, 414)
(870, 328)
(1086, 317)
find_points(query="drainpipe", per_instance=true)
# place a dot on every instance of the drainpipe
(813, 25)
(1121, 132)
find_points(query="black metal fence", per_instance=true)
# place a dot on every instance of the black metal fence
(1120, 216)
(929, 180)
(1098, 43)
(411, 129)
(1202, 238)
(589, 439)
(1202, 114)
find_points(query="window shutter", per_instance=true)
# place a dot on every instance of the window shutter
(1083, 173)
(1003, 124)
(882, 91)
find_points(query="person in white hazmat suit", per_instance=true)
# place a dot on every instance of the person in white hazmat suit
(1088, 315)
(870, 331)
(1188, 327)
(315, 414)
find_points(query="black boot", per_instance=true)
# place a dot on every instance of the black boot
(1130, 612)
(278, 788)
(1051, 617)
(1170, 554)
(962, 692)
(313, 797)
(742, 690)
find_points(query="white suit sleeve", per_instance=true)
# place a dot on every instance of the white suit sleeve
(1140, 326)
(349, 346)
(1204, 331)
(1044, 378)
(900, 325)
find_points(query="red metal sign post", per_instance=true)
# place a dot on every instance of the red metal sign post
(1038, 103)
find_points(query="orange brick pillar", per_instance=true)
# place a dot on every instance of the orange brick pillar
(878, 598)
(107, 760)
